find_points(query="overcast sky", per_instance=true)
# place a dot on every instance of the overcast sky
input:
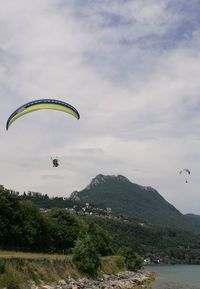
(132, 70)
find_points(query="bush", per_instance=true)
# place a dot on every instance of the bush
(101, 239)
(85, 256)
(132, 260)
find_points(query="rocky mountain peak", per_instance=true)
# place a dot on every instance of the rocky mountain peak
(100, 179)
(122, 179)
(148, 188)
(74, 196)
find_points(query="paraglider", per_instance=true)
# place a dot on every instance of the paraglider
(55, 162)
(42, 104)
(186, 171)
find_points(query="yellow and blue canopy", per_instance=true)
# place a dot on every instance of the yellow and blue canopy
(42, 104)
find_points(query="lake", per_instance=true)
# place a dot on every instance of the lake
(175, 276)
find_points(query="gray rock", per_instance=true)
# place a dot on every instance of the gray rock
(123, 280)
(62, 282)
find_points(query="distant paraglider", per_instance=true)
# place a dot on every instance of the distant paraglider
(55, 162)
(185, 171)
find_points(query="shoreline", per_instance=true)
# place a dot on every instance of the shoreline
(122, 280)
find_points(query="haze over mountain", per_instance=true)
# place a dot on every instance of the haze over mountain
(133, 200)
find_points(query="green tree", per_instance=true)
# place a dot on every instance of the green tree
(22, 226)
(9, 217)
(85, 255)
(101, 239)
(132, 260)
(34, 227)
(64, 229)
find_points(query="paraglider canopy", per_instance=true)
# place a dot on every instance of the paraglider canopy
(42, 104)
(186, 170)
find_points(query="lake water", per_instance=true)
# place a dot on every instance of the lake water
(175, 276)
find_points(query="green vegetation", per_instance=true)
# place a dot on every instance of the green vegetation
(26, 227)
(64, 229)
(132, 260)
(165, 245)
(19, 270)
(43, 201)
(101, 239)
(23, 227)
(112, 265)
(85, 255)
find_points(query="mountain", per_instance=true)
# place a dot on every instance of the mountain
(133, 200)
(193, 216)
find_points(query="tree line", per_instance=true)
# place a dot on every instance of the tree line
(23, 227)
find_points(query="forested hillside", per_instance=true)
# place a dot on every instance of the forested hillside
(134, 200)
(55, 224)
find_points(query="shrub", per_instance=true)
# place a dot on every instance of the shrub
(132, 260)
(85, 256)
(101, 239)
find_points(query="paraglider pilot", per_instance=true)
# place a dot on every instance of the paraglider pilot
(55, 163)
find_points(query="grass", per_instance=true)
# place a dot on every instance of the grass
(34, 256)
(112, 265)
(17, 269)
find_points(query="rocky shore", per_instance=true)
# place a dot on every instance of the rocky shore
(123, 280)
